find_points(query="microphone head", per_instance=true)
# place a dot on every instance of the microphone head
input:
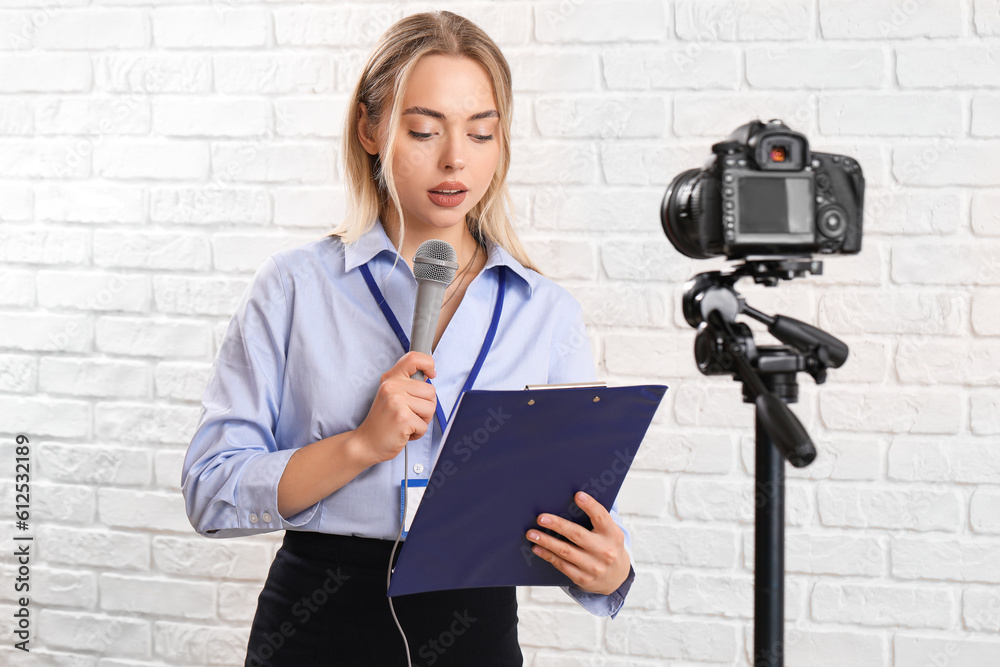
(435, 260)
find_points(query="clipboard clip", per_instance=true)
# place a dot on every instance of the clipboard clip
(597, 383)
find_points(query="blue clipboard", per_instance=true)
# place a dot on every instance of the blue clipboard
(507, 456)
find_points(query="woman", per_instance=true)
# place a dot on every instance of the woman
(310, 400)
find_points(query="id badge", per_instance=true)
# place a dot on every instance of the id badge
(414, 490)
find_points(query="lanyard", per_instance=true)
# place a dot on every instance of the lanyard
(405, 342)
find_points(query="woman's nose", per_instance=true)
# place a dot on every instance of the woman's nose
(453, 153)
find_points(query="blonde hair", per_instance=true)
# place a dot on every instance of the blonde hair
(369, 179)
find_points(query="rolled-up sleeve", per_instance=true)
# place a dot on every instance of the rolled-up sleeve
(572, 360)
(233, 463)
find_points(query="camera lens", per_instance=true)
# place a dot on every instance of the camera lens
(680, 213)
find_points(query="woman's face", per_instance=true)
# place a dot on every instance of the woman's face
(448, 139)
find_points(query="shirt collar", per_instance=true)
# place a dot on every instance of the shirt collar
(376, 241)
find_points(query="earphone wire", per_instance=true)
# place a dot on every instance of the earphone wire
(461, 276)
(399, 535)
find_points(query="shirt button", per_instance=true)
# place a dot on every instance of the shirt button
(253, 517)
(265, 516)
(418, 468)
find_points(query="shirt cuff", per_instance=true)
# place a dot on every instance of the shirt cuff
(602, 605)
(257, 495)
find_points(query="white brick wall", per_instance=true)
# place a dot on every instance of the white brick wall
(152, 156)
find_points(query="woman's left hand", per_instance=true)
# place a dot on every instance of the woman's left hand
(596, 560)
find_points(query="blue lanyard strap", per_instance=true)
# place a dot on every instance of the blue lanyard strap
(386, 310)
(405, 342)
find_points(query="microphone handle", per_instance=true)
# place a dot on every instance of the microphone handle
(426, 312)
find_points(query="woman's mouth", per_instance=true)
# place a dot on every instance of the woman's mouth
(447, 198)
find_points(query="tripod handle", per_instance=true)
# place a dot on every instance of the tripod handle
(804, 337)
(785, 429)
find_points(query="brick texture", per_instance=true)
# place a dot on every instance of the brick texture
(154, 154)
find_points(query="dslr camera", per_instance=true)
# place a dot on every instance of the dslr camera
(763, 193)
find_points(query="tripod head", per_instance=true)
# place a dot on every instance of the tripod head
(715, 290)
(724, 346)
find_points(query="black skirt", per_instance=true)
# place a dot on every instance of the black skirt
(324, 603)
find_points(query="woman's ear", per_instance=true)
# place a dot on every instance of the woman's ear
(365, 133)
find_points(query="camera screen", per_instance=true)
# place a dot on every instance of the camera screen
(781, 208)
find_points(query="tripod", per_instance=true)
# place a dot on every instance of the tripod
(724, 346)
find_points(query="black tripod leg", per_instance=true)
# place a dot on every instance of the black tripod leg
(769, 553)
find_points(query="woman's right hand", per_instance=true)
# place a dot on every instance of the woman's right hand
(402, 410)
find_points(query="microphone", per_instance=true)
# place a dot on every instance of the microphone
(434, 267)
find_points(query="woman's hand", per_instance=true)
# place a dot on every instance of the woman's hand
(402, 410)
(596, 560)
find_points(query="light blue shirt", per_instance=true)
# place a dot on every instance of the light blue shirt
(302, 359)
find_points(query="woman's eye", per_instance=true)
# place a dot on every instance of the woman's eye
(424, 136)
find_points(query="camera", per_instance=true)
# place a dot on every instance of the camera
(763, 193)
